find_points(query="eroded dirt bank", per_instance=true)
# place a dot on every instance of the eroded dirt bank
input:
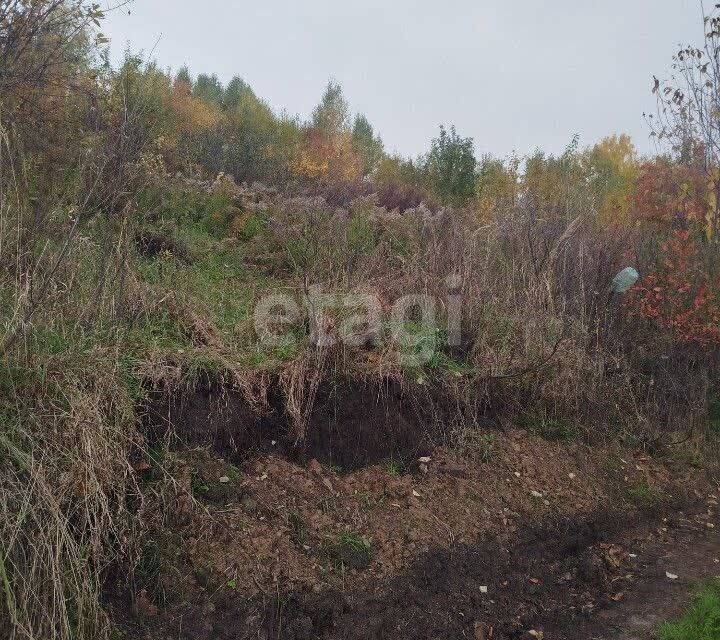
(504, 534)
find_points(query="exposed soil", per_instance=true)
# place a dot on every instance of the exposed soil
(151, 243)
(362, 530)
(591, 579)
(560, 582)
(504, 534)
(691, 551)
(352, 424)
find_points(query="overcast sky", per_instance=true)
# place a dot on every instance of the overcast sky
(515, 75)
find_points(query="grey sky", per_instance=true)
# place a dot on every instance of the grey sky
(513, 74)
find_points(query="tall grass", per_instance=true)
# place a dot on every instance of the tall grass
(540, 325)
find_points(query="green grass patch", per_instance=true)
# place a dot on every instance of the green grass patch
(644, 496)
(702, 619)
(353, 541)
(548, 427)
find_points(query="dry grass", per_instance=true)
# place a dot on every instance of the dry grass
(87, 332)
(63, 511)
(540, 326)
(68, 390)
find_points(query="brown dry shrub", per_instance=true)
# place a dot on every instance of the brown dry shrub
(541, 329)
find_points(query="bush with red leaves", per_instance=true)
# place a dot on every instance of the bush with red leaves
(681, 296)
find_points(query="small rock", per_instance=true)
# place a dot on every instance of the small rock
(223, 479)
(671, 576)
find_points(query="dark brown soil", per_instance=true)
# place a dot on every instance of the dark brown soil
(691, 552)
(352, 424)
(508, 536)
(355, 424)
(152, 243)
(599, 578)
(532, 577)
(216, 416)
